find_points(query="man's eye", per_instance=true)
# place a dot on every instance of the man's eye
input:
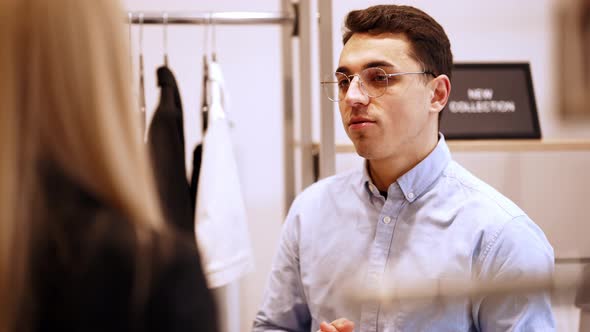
(343, 83)
(379, 78)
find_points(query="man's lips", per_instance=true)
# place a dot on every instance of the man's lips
(360, 122)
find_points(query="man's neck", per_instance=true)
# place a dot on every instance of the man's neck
(384, 172)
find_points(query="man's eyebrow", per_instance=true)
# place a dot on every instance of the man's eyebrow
(345, 70)
(378, 64)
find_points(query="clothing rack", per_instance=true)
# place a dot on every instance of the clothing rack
(290, 18)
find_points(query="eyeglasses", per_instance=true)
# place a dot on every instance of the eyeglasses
(373, 82)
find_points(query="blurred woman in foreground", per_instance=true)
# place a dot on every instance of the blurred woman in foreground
(83, 246)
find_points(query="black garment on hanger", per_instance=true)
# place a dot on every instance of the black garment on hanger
(198, 151)
(166, 142)
(197, 155)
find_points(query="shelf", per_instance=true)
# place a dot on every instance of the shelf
(509, 145)
(514, 145)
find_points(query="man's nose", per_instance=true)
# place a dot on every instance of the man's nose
(355, 94)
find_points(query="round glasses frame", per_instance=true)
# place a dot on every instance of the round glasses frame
(373, 83)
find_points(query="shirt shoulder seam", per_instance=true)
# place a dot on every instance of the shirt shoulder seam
(495, 238)
(501, 206)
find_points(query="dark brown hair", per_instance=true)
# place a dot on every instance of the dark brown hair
(430, 45)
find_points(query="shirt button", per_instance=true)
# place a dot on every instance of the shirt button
(411, 195)
(386, 219)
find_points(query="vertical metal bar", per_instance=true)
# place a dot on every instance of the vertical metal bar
(288, 120)
(307, 26)
(326, 56)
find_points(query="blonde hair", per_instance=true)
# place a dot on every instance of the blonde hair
(66, 94)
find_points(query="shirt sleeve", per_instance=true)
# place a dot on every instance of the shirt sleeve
(518, 251)
(284, 306)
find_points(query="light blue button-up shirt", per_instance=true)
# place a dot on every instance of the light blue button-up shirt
(439, 222)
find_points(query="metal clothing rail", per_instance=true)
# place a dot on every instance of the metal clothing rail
(214, 18)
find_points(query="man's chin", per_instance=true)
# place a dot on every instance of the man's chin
(364, 150)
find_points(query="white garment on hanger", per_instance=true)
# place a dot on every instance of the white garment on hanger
(220, 218)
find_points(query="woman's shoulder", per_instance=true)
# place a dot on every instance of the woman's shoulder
(178, 298)
(179, 287)
(161, 249)
(95, 263)
(110, 266)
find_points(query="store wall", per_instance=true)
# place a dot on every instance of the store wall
(551, 187)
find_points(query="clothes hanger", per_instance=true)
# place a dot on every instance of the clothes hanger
(215, 74)
(222, 96)
(205, 91)
(142, 103)
(165, 36)
(213, 38)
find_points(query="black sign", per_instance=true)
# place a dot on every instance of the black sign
(491, 101)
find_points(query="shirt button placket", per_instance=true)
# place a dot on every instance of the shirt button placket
(377, 263)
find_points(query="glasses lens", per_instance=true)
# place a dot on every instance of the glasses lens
(374, 81)
(335, 86)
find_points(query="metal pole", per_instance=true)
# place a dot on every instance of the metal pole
(327, 148)
(288, 106)
(307, 43)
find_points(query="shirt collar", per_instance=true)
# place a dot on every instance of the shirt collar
(366, 181)
(416, 181)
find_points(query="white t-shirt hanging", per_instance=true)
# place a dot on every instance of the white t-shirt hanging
(221, 226)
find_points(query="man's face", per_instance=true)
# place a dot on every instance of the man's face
(401, 120)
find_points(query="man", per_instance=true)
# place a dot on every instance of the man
(411, 213)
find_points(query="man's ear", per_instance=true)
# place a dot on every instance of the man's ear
(441, 90)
